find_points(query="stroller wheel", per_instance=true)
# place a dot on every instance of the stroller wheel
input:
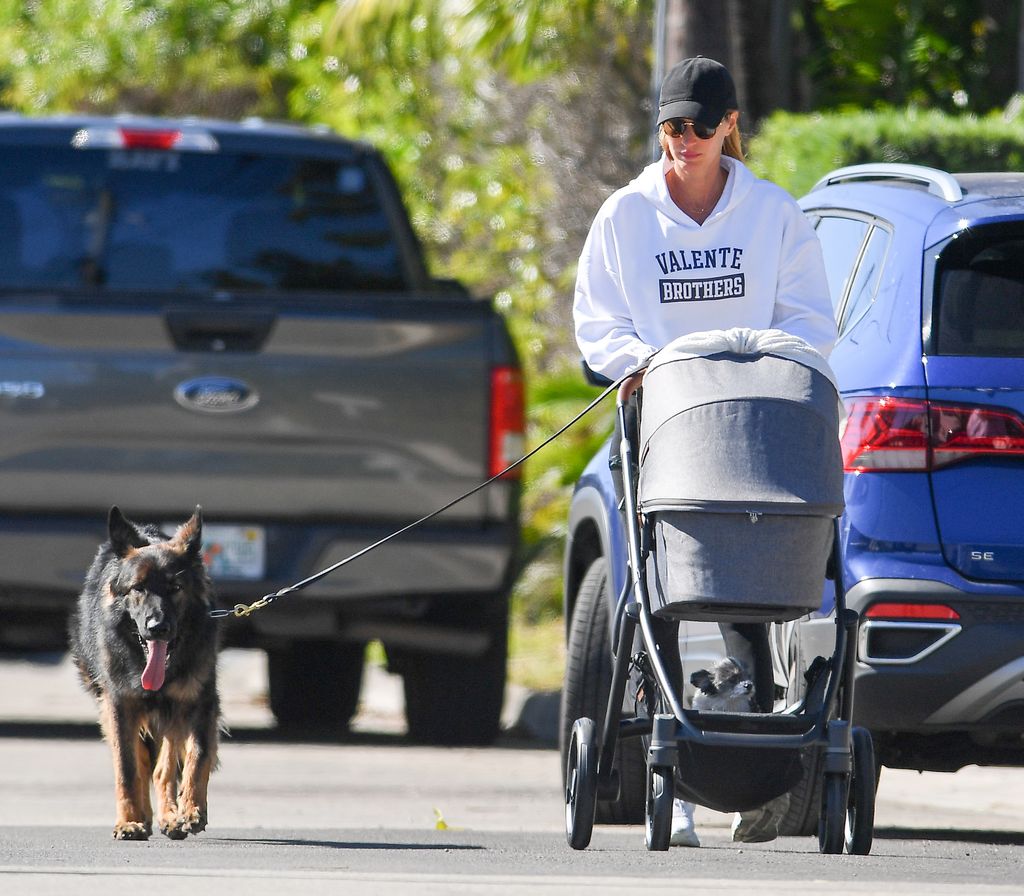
(832, 821)
(581, 783)
(660, 791)
(860, 811)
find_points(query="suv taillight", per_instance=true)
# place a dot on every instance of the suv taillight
(914, 435)
(915, 612)
(508, 420)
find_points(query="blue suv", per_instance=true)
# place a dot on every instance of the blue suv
(926, 272)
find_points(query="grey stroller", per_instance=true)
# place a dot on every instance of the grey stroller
(732, 490)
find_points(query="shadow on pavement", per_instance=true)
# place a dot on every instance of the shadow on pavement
(334, 844)
(50, 730)
(91, 731)
(991, 838)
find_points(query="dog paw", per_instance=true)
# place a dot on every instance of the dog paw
(193, 820)
(190, 821)
(131, 830)
(171, 826)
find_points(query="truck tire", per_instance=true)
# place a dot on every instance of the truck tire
(588, 675)
(314, 685)
(453, 700)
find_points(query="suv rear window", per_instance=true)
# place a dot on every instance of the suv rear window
(979, 293)
(117, 220)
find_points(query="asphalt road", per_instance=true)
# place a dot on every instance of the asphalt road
(375, 815)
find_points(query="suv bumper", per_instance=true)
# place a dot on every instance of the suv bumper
(929, 676)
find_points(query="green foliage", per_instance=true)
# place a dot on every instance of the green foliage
(214, 57)
(524, 38)
(536, 655)
(794, 151)
(945, 54)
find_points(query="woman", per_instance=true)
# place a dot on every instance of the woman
(696, 242)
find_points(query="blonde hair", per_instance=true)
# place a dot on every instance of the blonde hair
(733, 145)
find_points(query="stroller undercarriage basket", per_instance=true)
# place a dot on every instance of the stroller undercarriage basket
(707, 774)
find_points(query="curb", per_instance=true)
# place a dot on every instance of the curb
(533, 715)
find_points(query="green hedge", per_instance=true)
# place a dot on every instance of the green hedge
(794, 151)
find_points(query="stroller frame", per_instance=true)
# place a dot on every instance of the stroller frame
(848, 788)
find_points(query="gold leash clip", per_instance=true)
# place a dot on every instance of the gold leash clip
(243, 610)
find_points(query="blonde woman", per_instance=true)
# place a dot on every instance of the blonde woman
(696, 242)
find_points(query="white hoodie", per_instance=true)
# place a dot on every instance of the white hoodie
(649, 274)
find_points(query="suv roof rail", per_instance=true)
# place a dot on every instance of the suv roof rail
(939, 183)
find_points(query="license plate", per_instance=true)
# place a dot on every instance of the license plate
(235, 552)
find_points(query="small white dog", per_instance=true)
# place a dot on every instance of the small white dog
(726, 687)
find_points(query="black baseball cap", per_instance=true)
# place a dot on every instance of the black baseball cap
(699, 89)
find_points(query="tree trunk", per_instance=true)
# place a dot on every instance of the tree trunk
(750, 37)
(1020, 48)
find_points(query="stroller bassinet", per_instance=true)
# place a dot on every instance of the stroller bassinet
(741, 476)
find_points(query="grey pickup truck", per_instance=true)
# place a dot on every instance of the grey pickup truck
(240, 316)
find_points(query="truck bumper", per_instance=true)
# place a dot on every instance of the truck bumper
(43, 565)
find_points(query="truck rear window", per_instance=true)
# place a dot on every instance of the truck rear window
(128, 220)
(980, 293)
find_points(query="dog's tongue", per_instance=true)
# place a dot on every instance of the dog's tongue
(156, 665)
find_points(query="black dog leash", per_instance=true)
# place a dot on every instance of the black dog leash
(241, 610)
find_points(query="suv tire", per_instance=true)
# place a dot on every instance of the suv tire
(801, 818)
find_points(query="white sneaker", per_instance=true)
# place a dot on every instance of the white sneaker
(683, 833)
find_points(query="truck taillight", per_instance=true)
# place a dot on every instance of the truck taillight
(508, 420)
(914, 435)
(138, 138)
(129, 137)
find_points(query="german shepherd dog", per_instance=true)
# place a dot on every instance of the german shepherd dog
(146, 648)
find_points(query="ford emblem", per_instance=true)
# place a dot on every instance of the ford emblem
(216, 395)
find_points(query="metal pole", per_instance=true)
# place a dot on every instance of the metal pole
(658, 68)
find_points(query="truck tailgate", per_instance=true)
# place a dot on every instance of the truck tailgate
(336, 411)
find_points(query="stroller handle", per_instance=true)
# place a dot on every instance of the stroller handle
(630, 384)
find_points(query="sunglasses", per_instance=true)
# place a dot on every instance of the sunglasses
(676, 127)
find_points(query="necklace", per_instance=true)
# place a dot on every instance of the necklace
(698, 210)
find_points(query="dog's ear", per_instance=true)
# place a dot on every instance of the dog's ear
(703, 681)
(741, 667)
(190, 533)
(124, 534)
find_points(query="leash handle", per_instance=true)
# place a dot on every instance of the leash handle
(241, 610)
